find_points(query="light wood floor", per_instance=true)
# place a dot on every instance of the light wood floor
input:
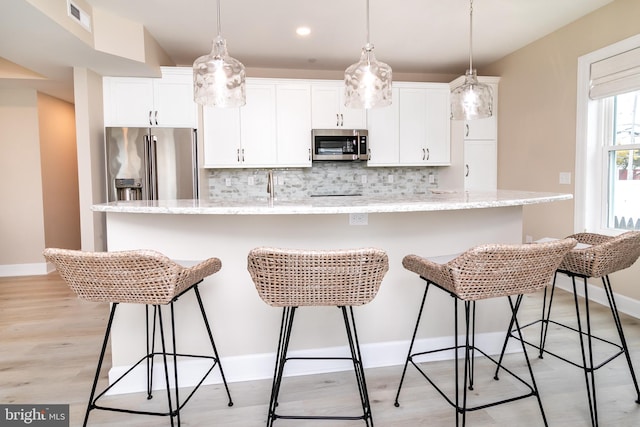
(49, 343)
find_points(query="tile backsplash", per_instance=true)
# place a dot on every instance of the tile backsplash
(324, 178)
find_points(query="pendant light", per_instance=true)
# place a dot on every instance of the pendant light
(218, 79)
(472, 100)
(367, 82)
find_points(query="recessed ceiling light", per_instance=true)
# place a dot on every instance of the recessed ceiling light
(303, 31)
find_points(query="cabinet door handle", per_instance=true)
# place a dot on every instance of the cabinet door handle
(466, 174)
(309, 154)
(428, 154)
(243, 155)
(466, 131)
(369, 154)
(238, 155)
(341, 119)
(150, 122)
(156, 117)
(337, 119)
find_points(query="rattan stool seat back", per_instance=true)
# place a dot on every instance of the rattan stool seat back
(293, 277)
(136, 276)
(605, 255)
(494, 270)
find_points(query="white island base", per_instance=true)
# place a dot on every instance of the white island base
(246, 329)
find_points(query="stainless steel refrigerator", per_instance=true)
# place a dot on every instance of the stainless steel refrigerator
(151, 163)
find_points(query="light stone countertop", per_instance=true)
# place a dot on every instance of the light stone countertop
(434, 200)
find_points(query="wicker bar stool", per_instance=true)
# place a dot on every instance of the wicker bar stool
(139, 277)
(291, 278)
(485, 271)
(596, 256)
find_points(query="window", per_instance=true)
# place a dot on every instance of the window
(607, 196)
(622, 148)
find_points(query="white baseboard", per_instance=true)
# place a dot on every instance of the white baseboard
(34, 269)
(260, 366)
(625, 304)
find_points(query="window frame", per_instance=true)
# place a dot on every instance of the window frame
(591, 167)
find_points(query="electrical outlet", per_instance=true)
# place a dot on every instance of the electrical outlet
(358, 219)
(363, 179)
(528, 239)
(251, 180)
(432, 178)
(565, 177)
(227, 182)
(390, 179)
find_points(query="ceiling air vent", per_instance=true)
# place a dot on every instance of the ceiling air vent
(79, 15)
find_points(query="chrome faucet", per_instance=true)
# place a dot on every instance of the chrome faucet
(270, 188)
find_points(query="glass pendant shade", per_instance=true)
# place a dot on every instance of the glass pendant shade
(218, 79)
(472, 100)
(367, 82)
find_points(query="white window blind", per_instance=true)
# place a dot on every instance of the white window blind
(615, 75)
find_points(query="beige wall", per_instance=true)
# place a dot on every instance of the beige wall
(537, 117)
(21, 216)
(59, 166)
(91, 159)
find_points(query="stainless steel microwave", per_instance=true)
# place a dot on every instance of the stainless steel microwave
(339, 144)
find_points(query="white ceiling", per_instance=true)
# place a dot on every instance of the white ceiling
(412, 36)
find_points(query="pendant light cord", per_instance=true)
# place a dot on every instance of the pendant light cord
(368, 44)
(219, 27)
(471, 35)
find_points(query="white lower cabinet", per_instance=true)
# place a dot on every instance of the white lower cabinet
(271, 130)
(414, 130)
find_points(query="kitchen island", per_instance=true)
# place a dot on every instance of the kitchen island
(246, 329)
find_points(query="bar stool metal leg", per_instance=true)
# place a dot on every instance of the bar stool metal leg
(166, 371)
(213, 344)
(91, 405)
(464, 382)
(616, 318)
(286, 324)
(413, 339)
(286, 327)
(586, 337)
(356, 357)
(544, 327)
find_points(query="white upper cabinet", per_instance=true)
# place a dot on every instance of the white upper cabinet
(221, 136)
(258, 126)
(271, 130)
(293, 124)
(328, 110)
(414, 129)
(384, 133)
(137, 101)
(482, 128)
(243, 136)
(480, 164)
